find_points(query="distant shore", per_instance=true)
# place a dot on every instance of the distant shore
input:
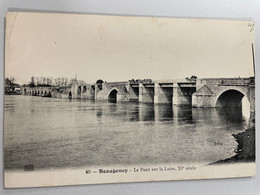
(12, 93)
(245, 149)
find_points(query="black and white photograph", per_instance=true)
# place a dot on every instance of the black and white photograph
(95, 99)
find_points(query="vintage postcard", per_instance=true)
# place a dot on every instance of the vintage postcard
(106, 99)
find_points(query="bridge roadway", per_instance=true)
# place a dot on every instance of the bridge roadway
(204, 92)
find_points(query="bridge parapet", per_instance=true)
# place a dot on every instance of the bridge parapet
(223, 81)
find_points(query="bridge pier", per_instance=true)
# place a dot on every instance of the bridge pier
(162, 95)
(180, 96)
(146, 95)
(132, 93)
(175, 97)
(97, 89)
(74, 91)
(252, 101)
(203, 97)
(81, 91)
(121, 97)
(87, 92)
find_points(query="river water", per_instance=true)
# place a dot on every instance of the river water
(61, 133)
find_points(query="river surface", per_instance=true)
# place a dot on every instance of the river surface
(61, 133)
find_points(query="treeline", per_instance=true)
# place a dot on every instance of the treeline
(10, 82)
(11, 86)
(53, 82)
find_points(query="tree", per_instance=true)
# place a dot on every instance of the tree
(192, 78)
(32, 83)
(12, 80)
(81, 82)
(10, 84)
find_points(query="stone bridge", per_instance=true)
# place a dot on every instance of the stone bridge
(146, 92)
(224, 92)
(206, 92)
(72, 92)
(57, 92)
(37, 91)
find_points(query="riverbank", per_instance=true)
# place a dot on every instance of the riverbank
(245, 149)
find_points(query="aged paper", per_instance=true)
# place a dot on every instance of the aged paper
(107, 99)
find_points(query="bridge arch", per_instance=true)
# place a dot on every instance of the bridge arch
(70, 95)
(112, 95)
(99, 81)
(230, 98)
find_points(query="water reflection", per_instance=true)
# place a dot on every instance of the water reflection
(163, 112)
(146, 112)
(168, 112)
(102, 133)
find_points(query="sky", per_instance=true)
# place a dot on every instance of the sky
(120, 48)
